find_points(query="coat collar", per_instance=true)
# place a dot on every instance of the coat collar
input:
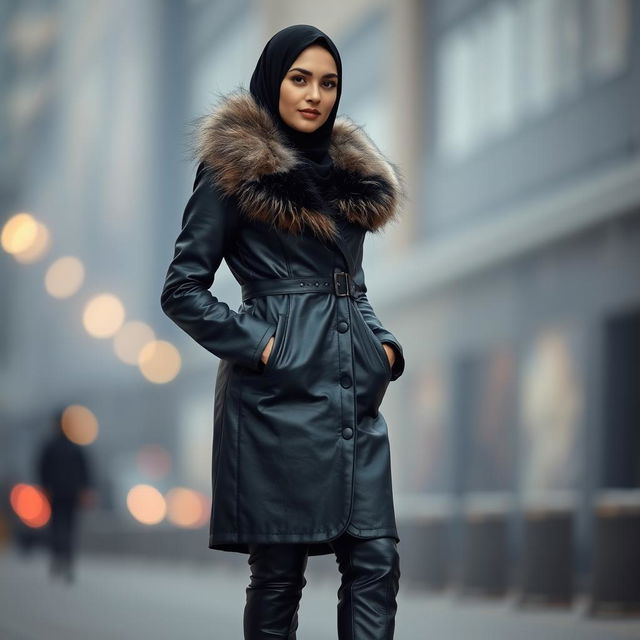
(249, 159)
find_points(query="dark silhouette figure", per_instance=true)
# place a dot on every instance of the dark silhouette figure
(64, 475)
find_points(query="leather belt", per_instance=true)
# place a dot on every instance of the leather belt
(339, 283)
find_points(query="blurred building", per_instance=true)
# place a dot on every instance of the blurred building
(520, 298)
(512, 281)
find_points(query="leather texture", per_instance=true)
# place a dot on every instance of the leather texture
(300, 448)
(367, 596)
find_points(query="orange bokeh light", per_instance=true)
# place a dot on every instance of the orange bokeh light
(154, 461)
(79, 424)
(30, 504)
(146, 504)
(186, 507)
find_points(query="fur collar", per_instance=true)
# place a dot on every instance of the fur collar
(248, 158)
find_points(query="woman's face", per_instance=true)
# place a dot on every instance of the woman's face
(310, 84)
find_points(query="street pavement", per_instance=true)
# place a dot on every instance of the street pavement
(121, 598)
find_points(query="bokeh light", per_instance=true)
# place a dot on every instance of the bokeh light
(154, 461)
(30, 505)
(19, 233)
(130, 340)
(79, 424)
(146, 504)
(64, 277)
(159, 361)
(38, 247)
(103, 315)
(186, 507)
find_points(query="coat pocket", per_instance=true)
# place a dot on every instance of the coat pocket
(377, 346)
(278, 341)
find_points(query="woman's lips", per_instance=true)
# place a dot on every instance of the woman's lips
(310, 115)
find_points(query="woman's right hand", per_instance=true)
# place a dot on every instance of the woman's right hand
(267, 350)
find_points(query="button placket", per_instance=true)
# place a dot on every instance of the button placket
(346, 428)
(345, 380)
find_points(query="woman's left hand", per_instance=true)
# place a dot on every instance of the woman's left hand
(391, 354)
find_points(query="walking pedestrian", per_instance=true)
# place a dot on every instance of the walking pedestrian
(285, 192)
(65, 477)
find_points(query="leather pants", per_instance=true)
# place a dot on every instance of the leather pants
(370, 571)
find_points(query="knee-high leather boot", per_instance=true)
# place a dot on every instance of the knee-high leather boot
(273, 595)
(370, 581)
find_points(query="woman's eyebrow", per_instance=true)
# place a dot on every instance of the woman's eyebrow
(309, 73)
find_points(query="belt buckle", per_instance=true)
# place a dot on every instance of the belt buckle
(336, 283)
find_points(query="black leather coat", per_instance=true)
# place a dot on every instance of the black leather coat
(300, 448)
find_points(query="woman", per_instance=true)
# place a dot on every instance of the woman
(301, 461)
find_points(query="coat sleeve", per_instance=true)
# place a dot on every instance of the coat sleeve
(208, 227)
(377, 327)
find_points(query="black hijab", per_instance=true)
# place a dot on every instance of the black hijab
(274, 62)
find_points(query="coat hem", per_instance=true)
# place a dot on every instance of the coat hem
(318, 545)
(374, 533)
(246, 538)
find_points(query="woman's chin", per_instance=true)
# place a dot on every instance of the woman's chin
(303, 125)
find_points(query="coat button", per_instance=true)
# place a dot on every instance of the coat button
(342, 326)
(347, 433)
(345, 381)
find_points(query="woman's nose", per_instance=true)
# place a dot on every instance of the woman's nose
(314, 92)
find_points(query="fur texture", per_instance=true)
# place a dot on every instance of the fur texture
(250, 160)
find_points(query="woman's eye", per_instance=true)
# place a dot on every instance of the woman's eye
(329, 84)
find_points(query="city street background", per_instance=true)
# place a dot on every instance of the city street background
(511, 281)
(138, 599)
